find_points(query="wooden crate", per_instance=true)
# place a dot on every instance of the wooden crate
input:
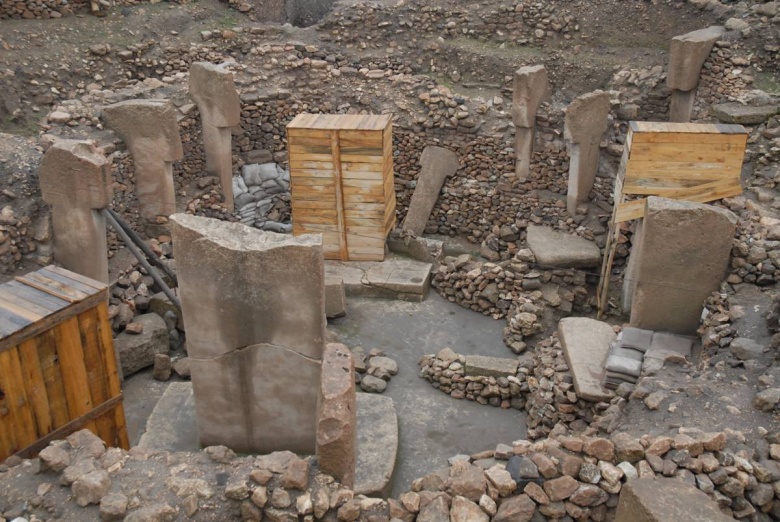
(341, 172)
(58, 370)
(688, 161)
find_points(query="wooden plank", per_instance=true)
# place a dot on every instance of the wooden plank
(67, 281)
(7, 439)
(365, 222)
(356, 167)
(46, 323)
(299, 174)
(112, 374)
(681, 152)
(363, 158)
(19, 408)
(688, 138)
(314, 219)
(361, 139)
(10, 323)
(74, 371)
(310, 165)
(665, 126)
(71, 427)
(354, 173)
(682, 170)
(310, 152)
(297, 134)
(657, 187)
(301, 194)
(52, 287)
(95, 366)
(16, 290)
(336, 147)
(35, 386)
(23, 308)
(325, 205)
(315, 182)
(97, 285)
(52, 378)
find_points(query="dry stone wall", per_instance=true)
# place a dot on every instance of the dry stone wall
(28, 9)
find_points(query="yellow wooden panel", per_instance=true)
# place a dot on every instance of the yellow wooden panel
(328, 205)
(19, 411)
(296, 163)
(311, 173)
(679, 137)
(340, 121)
(356, 167)
(35, 385)
(296, 150)
(681, 170)
(362, 158)
(683, 152)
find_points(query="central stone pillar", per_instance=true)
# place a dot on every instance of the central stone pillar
(530, 88)
(254, 311)
(586, 122)
(213, 89)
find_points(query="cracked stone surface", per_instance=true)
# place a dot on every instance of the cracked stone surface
(396, 277)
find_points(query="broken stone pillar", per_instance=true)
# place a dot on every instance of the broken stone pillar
(337, 418)
(661, 499)
(531, 87)
(586, 122)
(436, 164)
(213, 90)
(686, 57)
(151, 133)
(254, 306)
(678, 258)
(75, 179)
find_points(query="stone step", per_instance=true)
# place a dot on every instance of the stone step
(396, 277)
(377, 445)
(172, 426)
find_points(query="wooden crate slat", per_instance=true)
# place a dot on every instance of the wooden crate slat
(22, 308)
(74, 374)
(360, 167)
(681, 152)
(112, 375)
(35, 386)
(364, 158)
(52, 378)
(96, 285)
(686, 138)
(681, 170)
(24, 432)
(33, 295)
(52, 287)
(304, 174)
(65, 280)
(95, 367)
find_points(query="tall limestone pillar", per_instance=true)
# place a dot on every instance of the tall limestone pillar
(530, 88)
(254, 310)
(687, 55)
(213, 90)
(75, 179)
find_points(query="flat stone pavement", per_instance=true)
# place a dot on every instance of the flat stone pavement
(433, 426)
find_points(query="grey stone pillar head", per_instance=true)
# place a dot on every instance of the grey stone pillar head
(75, 174)
(586, 118)
(213, 90)
(144, 124)
(531, 87)
(687, 55)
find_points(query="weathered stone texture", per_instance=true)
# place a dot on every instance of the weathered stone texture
(665, 499)
(530, 88)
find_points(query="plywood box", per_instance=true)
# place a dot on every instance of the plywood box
(58, 370)
(688, 161)
(341, 172)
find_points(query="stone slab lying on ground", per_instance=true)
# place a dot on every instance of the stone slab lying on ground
(554, 249)
(665, 500)
(490, 366)
(422, 249)
(585, 344)
(377, 444)
(137, 351)
(743, 114)
(172, 425)
(394, 278)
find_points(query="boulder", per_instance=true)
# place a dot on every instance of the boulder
(138, 351)
(553, 249)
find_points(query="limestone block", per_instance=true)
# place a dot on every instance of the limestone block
(75, 179)
(241, 286)
(484, 365)
(585, 344)
(335, 297)
(137, 351)
(437, 163)
(337, 417)
(678, 258)
(687, 55)
(257, 399)
(586, 121)
(660, 499)
(151, 133)
(553, 249)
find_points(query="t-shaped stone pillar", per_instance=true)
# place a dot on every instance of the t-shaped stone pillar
(586, 121)
(531, 87)
(151, 133)
(686, 58)
(437, 164)
(212, 88)
(75, 180)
